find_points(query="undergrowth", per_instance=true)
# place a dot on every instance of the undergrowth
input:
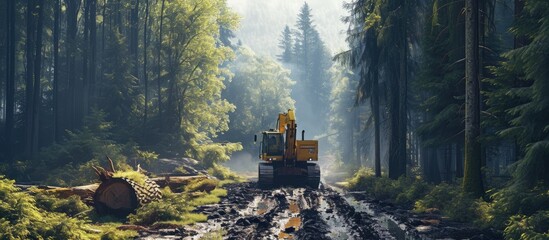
(224, 174)
(24, 216)
(521, 213)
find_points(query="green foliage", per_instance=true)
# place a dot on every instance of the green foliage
(341, 120)
(223, 173)
(512, 201)
(451, 202)
(212, 153)
(69, 163)
(135, 176)
(402, 191)
(439, 89)
(520, 95)
(146, 156)
(172, 207)
(20, 218)
(260, 89)
(71, 206)
(176, 208)
(524, 227)
(202, 185)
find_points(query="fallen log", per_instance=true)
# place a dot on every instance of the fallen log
(121, 196)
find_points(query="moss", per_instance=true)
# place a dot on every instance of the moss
(135, 176)
(201, 185)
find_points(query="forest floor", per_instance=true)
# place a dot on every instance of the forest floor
(248, 212)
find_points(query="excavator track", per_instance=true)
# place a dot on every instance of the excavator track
(313, 175)
(266, 175)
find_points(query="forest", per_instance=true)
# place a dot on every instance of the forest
(435, 109)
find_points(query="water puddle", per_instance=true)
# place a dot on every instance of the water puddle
(292, 222)
(337, 227)
(396, 229)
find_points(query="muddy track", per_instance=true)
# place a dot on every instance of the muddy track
(248, 212)
(286, 213)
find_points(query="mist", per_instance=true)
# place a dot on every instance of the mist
(262, 22)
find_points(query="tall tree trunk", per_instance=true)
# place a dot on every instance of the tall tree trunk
(472, 180)
(56, 68)
(145, 70)
(93, 55)
(83, 100)
(73, 7)
(403, 89)
(374, 75)
(36, 88)
(10, 79)
(519, 40)
(134, 35)
(29, 45)
(158, 64)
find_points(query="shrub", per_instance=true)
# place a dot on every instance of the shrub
(202, 185)
(224, 173)
(535, 226)
(451, 202)
(405, 190)
(172, 207)
(20, 218)
(71, 206)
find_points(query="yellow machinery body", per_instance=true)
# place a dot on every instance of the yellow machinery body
(287, 160)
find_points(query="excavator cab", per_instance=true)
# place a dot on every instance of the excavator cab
(286, 160)
(272, 146)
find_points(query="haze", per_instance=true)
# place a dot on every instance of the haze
(263, 21)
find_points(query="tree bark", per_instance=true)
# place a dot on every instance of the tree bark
(73, 7)
(134, 35)
(10, 79)
(158, 64)
(56, 68)
(403, 90)
(36, 88)
(93, 55)
(145, 70)
(29, 93)
(374, 75)
(472, 180)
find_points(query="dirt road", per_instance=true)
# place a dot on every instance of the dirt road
(303, 213)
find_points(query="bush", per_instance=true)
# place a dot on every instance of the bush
(402, 191)
(512, 202)
(20, 218)
(535, 226)
(201, 185)
(451, 202)
(172, 207)
(215, 152)
(224, 173)
(70, 206)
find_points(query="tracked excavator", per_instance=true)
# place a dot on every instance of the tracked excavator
(286, 160)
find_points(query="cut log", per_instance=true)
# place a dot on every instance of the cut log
(121, 196)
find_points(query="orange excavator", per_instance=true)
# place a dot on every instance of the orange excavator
(286, 160)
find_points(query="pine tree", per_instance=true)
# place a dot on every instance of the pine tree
(286, 44)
